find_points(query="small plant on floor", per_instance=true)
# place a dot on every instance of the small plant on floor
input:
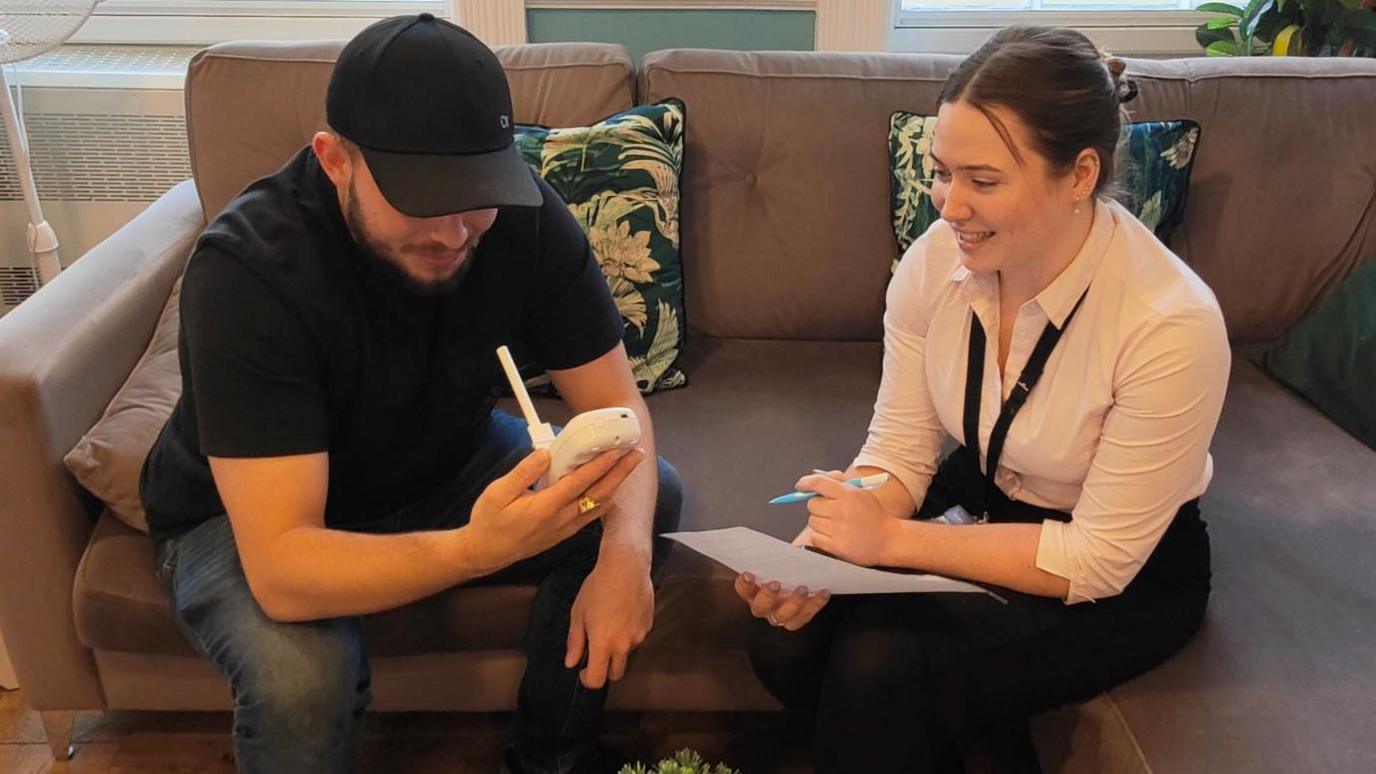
(683, 762)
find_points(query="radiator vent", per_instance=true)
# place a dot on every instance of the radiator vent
(112, 59)
(99, 157)
(16, 284)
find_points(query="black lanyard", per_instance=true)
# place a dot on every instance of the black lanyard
(1027, 380)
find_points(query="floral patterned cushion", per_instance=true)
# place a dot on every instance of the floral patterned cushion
(1155, 161)
(619, 177)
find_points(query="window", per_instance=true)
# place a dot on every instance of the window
(200, 22)
(909, 8)
(1128, 27)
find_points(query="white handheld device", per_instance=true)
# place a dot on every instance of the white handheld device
(583, 438)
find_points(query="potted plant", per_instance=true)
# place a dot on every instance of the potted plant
(1290, 28)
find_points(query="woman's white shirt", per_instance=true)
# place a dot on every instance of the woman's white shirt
(1116, 432)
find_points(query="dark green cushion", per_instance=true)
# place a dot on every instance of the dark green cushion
(620, 178)
(1156, 159)
(1330, 356)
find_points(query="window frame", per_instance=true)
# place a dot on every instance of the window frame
(1162, 31)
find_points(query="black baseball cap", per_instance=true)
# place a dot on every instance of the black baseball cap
(429, 106)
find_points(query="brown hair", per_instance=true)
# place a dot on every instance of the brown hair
(1067, 92)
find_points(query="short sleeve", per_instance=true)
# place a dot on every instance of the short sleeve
(571, 318)
(249, 361)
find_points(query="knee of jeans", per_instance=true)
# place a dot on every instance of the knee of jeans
(305, 676)
(669, 503)
(668, 509)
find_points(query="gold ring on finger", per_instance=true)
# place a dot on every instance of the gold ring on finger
(588, 505)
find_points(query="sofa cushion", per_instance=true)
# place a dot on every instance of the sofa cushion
(619, 177)
(1330, 357)
(1154, 168)
(120, 606)
(1280, 677)
(106, 461)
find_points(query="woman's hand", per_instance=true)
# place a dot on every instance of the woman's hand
(790, 611)
(848, 522)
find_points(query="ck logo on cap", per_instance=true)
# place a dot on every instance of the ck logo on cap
(506, 122)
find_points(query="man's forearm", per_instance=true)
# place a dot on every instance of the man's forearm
(628, 524)
(310, 573)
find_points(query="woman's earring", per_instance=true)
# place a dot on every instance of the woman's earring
(1077, 206)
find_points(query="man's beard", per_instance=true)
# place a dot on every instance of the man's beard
(391, 265)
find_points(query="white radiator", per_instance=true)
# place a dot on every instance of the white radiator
(102, 150)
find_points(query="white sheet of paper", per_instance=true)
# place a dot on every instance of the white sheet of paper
(770, 559)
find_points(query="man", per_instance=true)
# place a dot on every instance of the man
(335, 452)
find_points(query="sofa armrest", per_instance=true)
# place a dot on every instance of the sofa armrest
(63, 354)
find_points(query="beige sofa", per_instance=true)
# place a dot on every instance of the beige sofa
(787, 244)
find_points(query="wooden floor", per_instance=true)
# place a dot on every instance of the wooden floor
(455, 743)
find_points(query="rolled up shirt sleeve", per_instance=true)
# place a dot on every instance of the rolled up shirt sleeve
(905, 433)
(1152, 457)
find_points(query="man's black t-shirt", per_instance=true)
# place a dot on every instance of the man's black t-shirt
(295, 341)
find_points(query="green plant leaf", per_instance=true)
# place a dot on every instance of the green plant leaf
(1257, 10)
(1360, 19)
(1222, 22)
(1205, 36)
(1220, 8)
(1271, 26)
(1224, 48)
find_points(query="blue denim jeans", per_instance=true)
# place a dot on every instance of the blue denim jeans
(300, 689)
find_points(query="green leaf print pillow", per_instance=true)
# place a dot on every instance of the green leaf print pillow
(619, 177)
(1155, 173)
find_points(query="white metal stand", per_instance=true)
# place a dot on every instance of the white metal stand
(42, 240)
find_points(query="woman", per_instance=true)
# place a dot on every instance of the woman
(1040, 299)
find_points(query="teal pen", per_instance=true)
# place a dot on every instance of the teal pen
(864, 482)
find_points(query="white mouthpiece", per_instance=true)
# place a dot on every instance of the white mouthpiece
(541, 434)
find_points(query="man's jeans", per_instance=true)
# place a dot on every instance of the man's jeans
(300, 689)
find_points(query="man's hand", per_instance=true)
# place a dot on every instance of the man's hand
(611, 616)
(510, 523)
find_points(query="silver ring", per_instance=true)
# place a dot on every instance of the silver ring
(772, 620)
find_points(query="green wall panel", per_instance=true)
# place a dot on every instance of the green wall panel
(643, 31)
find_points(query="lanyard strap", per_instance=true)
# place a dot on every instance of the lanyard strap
(1027, 380)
